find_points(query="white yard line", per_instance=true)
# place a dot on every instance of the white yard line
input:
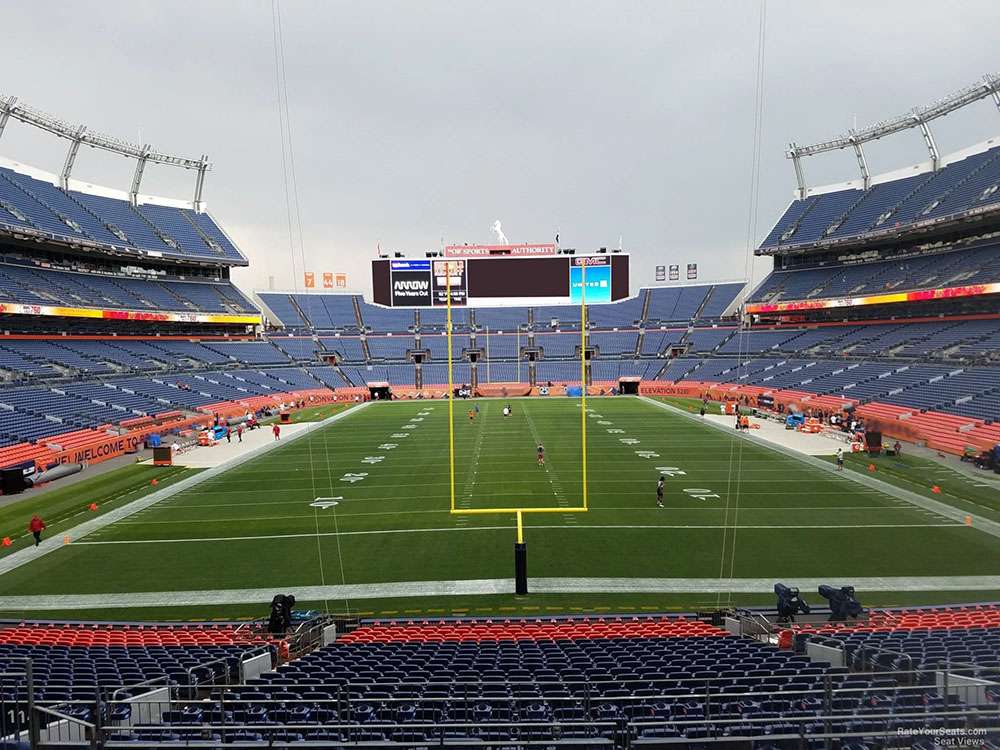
(941, 509)
(377, 532)
(24, 556)
(478, 587)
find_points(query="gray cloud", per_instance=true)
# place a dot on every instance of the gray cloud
(414, 122)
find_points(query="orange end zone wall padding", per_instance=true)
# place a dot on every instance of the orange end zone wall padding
(93, 446)
(948, 433)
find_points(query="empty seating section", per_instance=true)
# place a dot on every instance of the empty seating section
(299, 348)
(186, 233)
(618, 342)
(41, 205)
(556, 316)
(960, 186)
(250, 352)
(80, 663)
(327, 311)
(610, 370)
(349, 348)
(755, 342)
(435, 374)
(625, 314)
(34, 285)
(281, 306)
(386, 320)
(390, 347)
(655, 341)
(720, 298)
(556, 345)
(437, 346)
(678, 368)
(501, 318)
(329, 376)
(213, 230)
(557, 372)
(675, 304)
(609, 682)
(974, 264)
(708, 339)
(436, 319)
(503, 372)
(32, 414)
(500, 346)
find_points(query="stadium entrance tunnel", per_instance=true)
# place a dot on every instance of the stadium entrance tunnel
(380, 392)
(629, 386)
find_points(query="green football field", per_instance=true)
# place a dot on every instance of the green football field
(365, 502)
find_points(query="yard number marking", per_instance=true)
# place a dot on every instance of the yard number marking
(324, 502)
(354, 477)
(700, 493)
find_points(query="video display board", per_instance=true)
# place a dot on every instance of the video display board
(548, 280)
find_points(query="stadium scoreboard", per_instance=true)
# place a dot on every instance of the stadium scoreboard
(489, 280)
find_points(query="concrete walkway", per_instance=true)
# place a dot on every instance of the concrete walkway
(479, 587)
(942, 509)
(24, 556)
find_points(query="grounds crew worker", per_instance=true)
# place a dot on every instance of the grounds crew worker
(36, 526)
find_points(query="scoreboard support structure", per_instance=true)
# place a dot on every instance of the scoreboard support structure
(520, 546)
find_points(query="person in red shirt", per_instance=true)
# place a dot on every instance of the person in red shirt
(36, 526)
(277, 432)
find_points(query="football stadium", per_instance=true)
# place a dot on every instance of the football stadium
(502, 493)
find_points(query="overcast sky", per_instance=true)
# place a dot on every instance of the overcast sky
(413, 122)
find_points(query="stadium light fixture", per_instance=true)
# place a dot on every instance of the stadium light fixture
(919, 117)
(79, 135)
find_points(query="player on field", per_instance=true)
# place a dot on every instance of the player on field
(659, 493)
(472, 415)
(541, 455)
(840, 459)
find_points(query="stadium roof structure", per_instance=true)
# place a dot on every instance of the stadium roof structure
(919, 117)
(78, 135)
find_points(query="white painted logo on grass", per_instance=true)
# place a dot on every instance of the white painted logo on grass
(616, 431)
(671, 471)
(700, 493)
(388, 446)
(324, 502)
(629, 441)
(647, 454)
(604, 421)
(372, 459)
(354, 477)
(408, 427)
(416, 419)
(400, 435)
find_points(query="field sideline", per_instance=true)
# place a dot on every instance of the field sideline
(735, 510)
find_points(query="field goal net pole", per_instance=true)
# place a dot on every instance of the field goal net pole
(520, 546)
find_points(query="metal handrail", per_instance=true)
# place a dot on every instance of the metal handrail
(66, 717)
